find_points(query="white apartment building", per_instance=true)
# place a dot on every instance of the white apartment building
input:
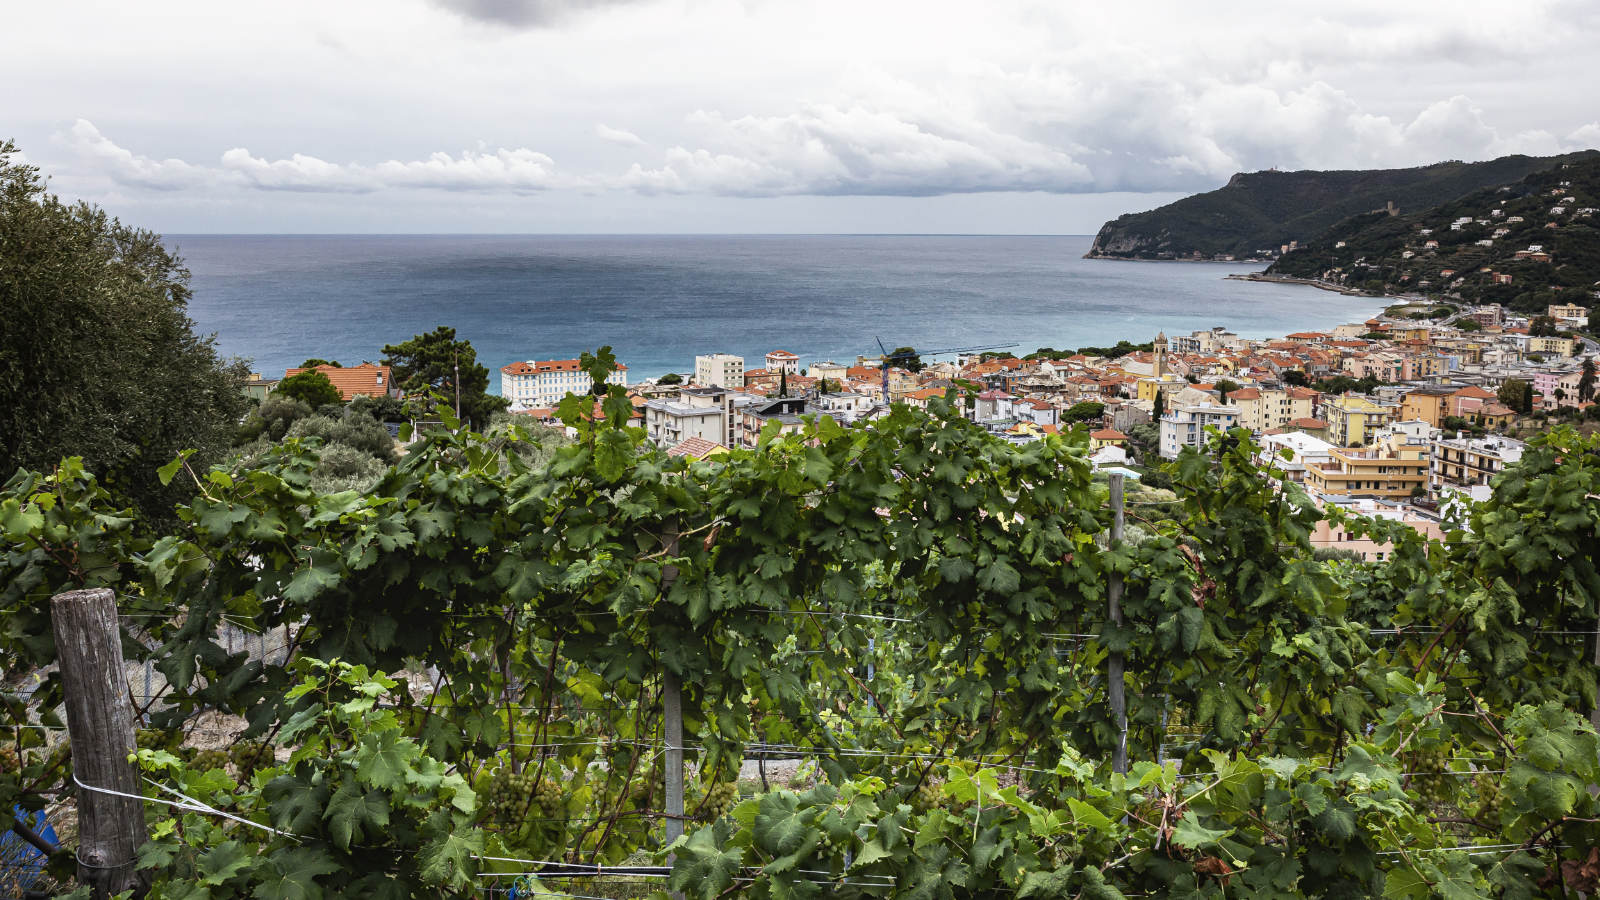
(543, 382)
(1205, 342)
(1186, 426)
(723, 370)
(783, 361)
(844, 407)
(1466, 464)
(671, 422)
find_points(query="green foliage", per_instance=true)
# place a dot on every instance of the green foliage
(313, 362)
(311, 388)
(98, 357)
(670, 378)
(353, 430)
(1517, 394)
(1085, 411)
(1323, 727)
(379, 409)
(906, 358)
(1468, 325)
(358, 809)
(436, 362)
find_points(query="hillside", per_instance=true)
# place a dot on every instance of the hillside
(1258, 212)
(1525, 245)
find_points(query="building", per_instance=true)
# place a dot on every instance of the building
(783, 361)
(723, 370)
(1467, 464)
(1304, 450)
(671, 422)
(1186, 426)
(1428, 404)
(1552, 346)
(784, 413)
(1160, 380)
(355, 381)
(1353, 419)
(257, 388)
(543, 382)
(1569, 311)
(1367, 472)
(1327, 535)
(1106, 437)
(697, 448)
(828, 369)
(845, 408)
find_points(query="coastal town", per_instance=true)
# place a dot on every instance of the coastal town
(1398, 416)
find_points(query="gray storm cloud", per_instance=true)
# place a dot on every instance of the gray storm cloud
(525, 13)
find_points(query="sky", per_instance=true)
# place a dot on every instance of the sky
(762, 116)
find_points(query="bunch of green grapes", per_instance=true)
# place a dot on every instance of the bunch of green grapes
(720, 798)
(153, 739)
(10, 758)
(512, 796)
(1490, 799)
(206, 760)
(927, 796)
(1429, 779)
(249, 756)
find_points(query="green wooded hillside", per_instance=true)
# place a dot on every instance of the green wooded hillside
(1256, 212)
(1413, 252)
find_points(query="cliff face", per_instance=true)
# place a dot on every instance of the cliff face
(1256, 213)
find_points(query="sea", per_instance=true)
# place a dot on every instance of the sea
(659, 300)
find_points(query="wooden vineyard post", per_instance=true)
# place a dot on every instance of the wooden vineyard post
(111, 828)
(1115, 686)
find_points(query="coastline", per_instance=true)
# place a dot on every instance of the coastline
(1308, 282)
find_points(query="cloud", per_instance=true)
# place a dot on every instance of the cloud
(86, 142)
(829, 150)
(504, 170)
(618, 136)
(525, 13)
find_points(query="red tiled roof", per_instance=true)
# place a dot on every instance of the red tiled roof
(1108, 434)
(1245, 394)
(1308, 423)
(374, 381)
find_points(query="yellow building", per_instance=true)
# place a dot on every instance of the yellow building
(1106, 437)
(1429, 404)
(1160, 381)
(1352, 419)
(1552, 346)
(1371, 472)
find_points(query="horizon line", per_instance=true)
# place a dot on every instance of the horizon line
(619, 234)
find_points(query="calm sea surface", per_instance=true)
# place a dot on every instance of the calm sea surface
(659, 300)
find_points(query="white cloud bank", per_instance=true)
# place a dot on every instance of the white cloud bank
(504, 170)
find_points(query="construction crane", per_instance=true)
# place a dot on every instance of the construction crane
(891, 359)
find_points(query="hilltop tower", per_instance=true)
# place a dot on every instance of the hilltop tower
(1160, 348)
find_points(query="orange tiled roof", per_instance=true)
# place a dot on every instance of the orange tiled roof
(697, 447)
(1108, 434)
(374, 381)
(534, 366)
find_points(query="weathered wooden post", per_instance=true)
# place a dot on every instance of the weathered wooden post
(1115, 686)
(100, 725)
